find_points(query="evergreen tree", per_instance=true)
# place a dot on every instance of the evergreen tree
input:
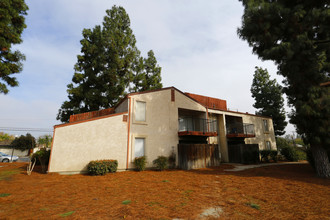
(12, 24)
(109, 65)
(147, 74)
(268, 99)
(24, 142)
(296, 36)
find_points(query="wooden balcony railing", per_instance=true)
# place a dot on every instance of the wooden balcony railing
(197, 127)
(240, 130)
(89, 115)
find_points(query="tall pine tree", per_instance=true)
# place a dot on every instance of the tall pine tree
(12, 24)
(268, 99)
(147, 74)
(110, 66)
(295, 35)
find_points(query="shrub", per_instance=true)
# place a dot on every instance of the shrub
(290, 153)
(301, 154)
(41, 155)
(101, 167)
(161, 163)
(274, 155)
(97, 168)
(282, 143)
(111, 165)
(42, 158)
(266, 155)
(140, 163)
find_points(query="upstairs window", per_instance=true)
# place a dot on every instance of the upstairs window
(266, 127)
(140, 111)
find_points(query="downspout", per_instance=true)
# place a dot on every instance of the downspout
(128, 130)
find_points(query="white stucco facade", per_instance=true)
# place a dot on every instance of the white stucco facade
(75, 145)
(114, 136)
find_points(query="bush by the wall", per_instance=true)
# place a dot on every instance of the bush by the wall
(140, 163)
(273, 155)
(101, 167)
(290, 153)
(161, 163)
(267, 155)
(42, 158)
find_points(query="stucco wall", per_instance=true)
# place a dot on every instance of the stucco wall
(75, 145)
(261, 135)
(161, 127)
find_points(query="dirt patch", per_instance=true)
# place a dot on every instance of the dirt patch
(214, 212)
(272, 192)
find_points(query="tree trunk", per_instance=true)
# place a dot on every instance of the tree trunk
(321, 161)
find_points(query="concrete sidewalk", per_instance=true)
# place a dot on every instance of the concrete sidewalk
(240, 167)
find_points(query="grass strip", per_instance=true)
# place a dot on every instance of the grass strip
(67, 214)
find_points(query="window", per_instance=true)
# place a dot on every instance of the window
(268, 145)
(139, 147)
(266, 125)
(140, 111)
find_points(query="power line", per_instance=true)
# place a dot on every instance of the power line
(26, 129)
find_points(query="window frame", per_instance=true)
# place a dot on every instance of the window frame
(135, 136)
(265, 125)
(135, 112)
(144, 146)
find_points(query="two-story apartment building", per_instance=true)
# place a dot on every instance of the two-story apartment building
(152, 124)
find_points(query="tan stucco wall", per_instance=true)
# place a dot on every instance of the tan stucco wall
(161, 126)
(261, 135)
(74, 146)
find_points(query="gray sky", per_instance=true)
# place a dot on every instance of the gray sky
(194, 41)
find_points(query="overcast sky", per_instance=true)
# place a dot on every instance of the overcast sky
(194, 41)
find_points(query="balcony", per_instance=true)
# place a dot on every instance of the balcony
(240, 130)
(192, 126)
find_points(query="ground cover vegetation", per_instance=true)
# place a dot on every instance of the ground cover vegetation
(109, 66)
(272, 192)
(296, 36)
(12, 24)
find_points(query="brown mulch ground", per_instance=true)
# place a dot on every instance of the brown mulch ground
(272, 192)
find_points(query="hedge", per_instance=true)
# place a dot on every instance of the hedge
(101, 167)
